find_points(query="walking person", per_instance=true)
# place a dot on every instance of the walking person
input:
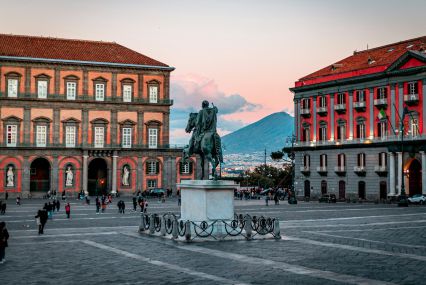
(68, 210)
(98, 205)
(135, 204)
(4, 236)
(41, 219)
(58, 205)
(6, 196)
(18, 201)
(103, 206)
(142, 205)
(3, 208)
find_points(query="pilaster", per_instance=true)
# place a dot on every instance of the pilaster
(56, 125)
(399, 172)
(114, 173)
(113, 128)
(85, 127)
(371, 108)
(26, 177)
(85, 173)
(140, 85)
(85, 83)
(400, 100)
(27, 80)
(54, 182)
(140, 128)
(114, 86)
(351, 115)
(27, 125)
(392, 191)
(139, 174)
(57, 80)
(166, 118)
(314, 119)
(332, 129)
(166, 85)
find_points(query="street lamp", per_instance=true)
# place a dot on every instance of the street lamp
(402, 199)
(292, 199)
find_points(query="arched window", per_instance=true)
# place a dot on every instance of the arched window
(13, 80)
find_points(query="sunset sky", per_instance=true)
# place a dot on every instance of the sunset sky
(241, 55)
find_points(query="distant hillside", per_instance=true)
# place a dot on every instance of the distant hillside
(269, 132)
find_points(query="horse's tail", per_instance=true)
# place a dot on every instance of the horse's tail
(218, 147)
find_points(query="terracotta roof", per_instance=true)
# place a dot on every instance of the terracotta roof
(375, 59)
(70, 49)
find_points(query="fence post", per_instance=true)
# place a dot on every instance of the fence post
(247, 227)
(142, 224)
(151, 224)
(277, 231)
(175, 234)
(163, 226)
(188, 231)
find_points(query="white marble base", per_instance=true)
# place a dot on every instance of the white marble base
(207, 200)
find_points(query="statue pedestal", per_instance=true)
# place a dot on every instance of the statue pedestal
(207, 200)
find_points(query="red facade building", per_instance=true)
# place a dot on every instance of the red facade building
(88, 116)
(348, 124)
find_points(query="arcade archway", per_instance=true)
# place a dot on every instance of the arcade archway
(40, 175)
(97, 183)
(414, 176)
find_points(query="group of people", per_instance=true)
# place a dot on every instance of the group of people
(143, 204)
(101, 204)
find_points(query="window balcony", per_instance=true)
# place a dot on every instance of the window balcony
(340, 170)
(305, 112)
(322, 111)
(381, 170)
(340, 108)
(305, 169)
(360, 106)
(381, 103)
(322, 170)
(411, 99)
(360, 170)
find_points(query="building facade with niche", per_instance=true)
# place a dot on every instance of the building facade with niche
(88, 116)
(348, 118)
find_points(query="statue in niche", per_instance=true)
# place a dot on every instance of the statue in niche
(69, 177)
(10, 177)
(125, 177)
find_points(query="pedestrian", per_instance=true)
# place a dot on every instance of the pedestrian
(6, 196)
(98, 205)
(58, 205)
(179, 199)
(145, 206)
(135, 204)
(18, 201)
(267, 199)
(103, 206)
(123, 206)
(49, 210)
(68, 210)
(41, 222)
(119, 206)
(3, 208)
(53, 205)
(63, 195)
(142, 205)
(277, 202)
(4, 236)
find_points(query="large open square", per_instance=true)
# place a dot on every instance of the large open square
(321, 244)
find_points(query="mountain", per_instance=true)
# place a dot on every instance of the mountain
(269, 132)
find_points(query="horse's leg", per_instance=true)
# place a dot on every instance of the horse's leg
(202, 167)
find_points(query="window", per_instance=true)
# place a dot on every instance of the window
(360, 96)
(70, 136)
(323, 160)
(306, 103)
(306, 135)
(341, 160)
(341, 132)
(12, 88)
(360, 130)
(99, 92)
(11, 135)
(127, 93)
(341, 99)
(71, 90)
(151, 183)
(99, 136)
(412, 88)
(322, 134)
(306, 161)
(382, 129)
(361, 160)
(382, 93)
(414, 127)
(382, 159)
(41, 136)
(152, 167)
(126, 138)
(322, 102)
(185, 167)
(152, 138)
(42, 89)
(153, 94)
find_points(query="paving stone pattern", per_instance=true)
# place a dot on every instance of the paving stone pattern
(322, 244)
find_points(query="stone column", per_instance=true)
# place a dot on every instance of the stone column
(371, 106)
(140, 128)
(331, 117)
(139, 174)
(399, 172)
(85, 84)
(391, 174)
(351, 115)
(114, 173)
(400, 99)
(85, 173)
(166, 118)
(56, 125)
(423, 172)
(26, 177)
(114, 128)
(54, 182)
(27, 125)
(140, 86)
(314, 119)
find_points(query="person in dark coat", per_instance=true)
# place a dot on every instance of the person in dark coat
(135, 204)
(142, 205)
(3, 208)
(98, 205)
(123, 206)
(58, 205)
(6, 196)
(4, 236)
(41, 219)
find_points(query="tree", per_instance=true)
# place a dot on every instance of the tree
(267, 176)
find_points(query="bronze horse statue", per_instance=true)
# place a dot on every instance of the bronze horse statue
(208, 147)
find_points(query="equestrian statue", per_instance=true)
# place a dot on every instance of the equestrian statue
(204, 140)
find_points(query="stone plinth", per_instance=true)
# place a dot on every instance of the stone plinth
(207, 200)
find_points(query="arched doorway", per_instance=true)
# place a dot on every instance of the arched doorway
(307, 188)
(97, 177)
(361, 190)
(414, 178)
(323, 187)
(40, 175)
(383, 190)
(342, 190)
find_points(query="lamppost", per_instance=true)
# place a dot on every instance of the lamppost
(402, 199)
(292, 199)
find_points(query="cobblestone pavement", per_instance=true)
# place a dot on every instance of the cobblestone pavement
(322, 244)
